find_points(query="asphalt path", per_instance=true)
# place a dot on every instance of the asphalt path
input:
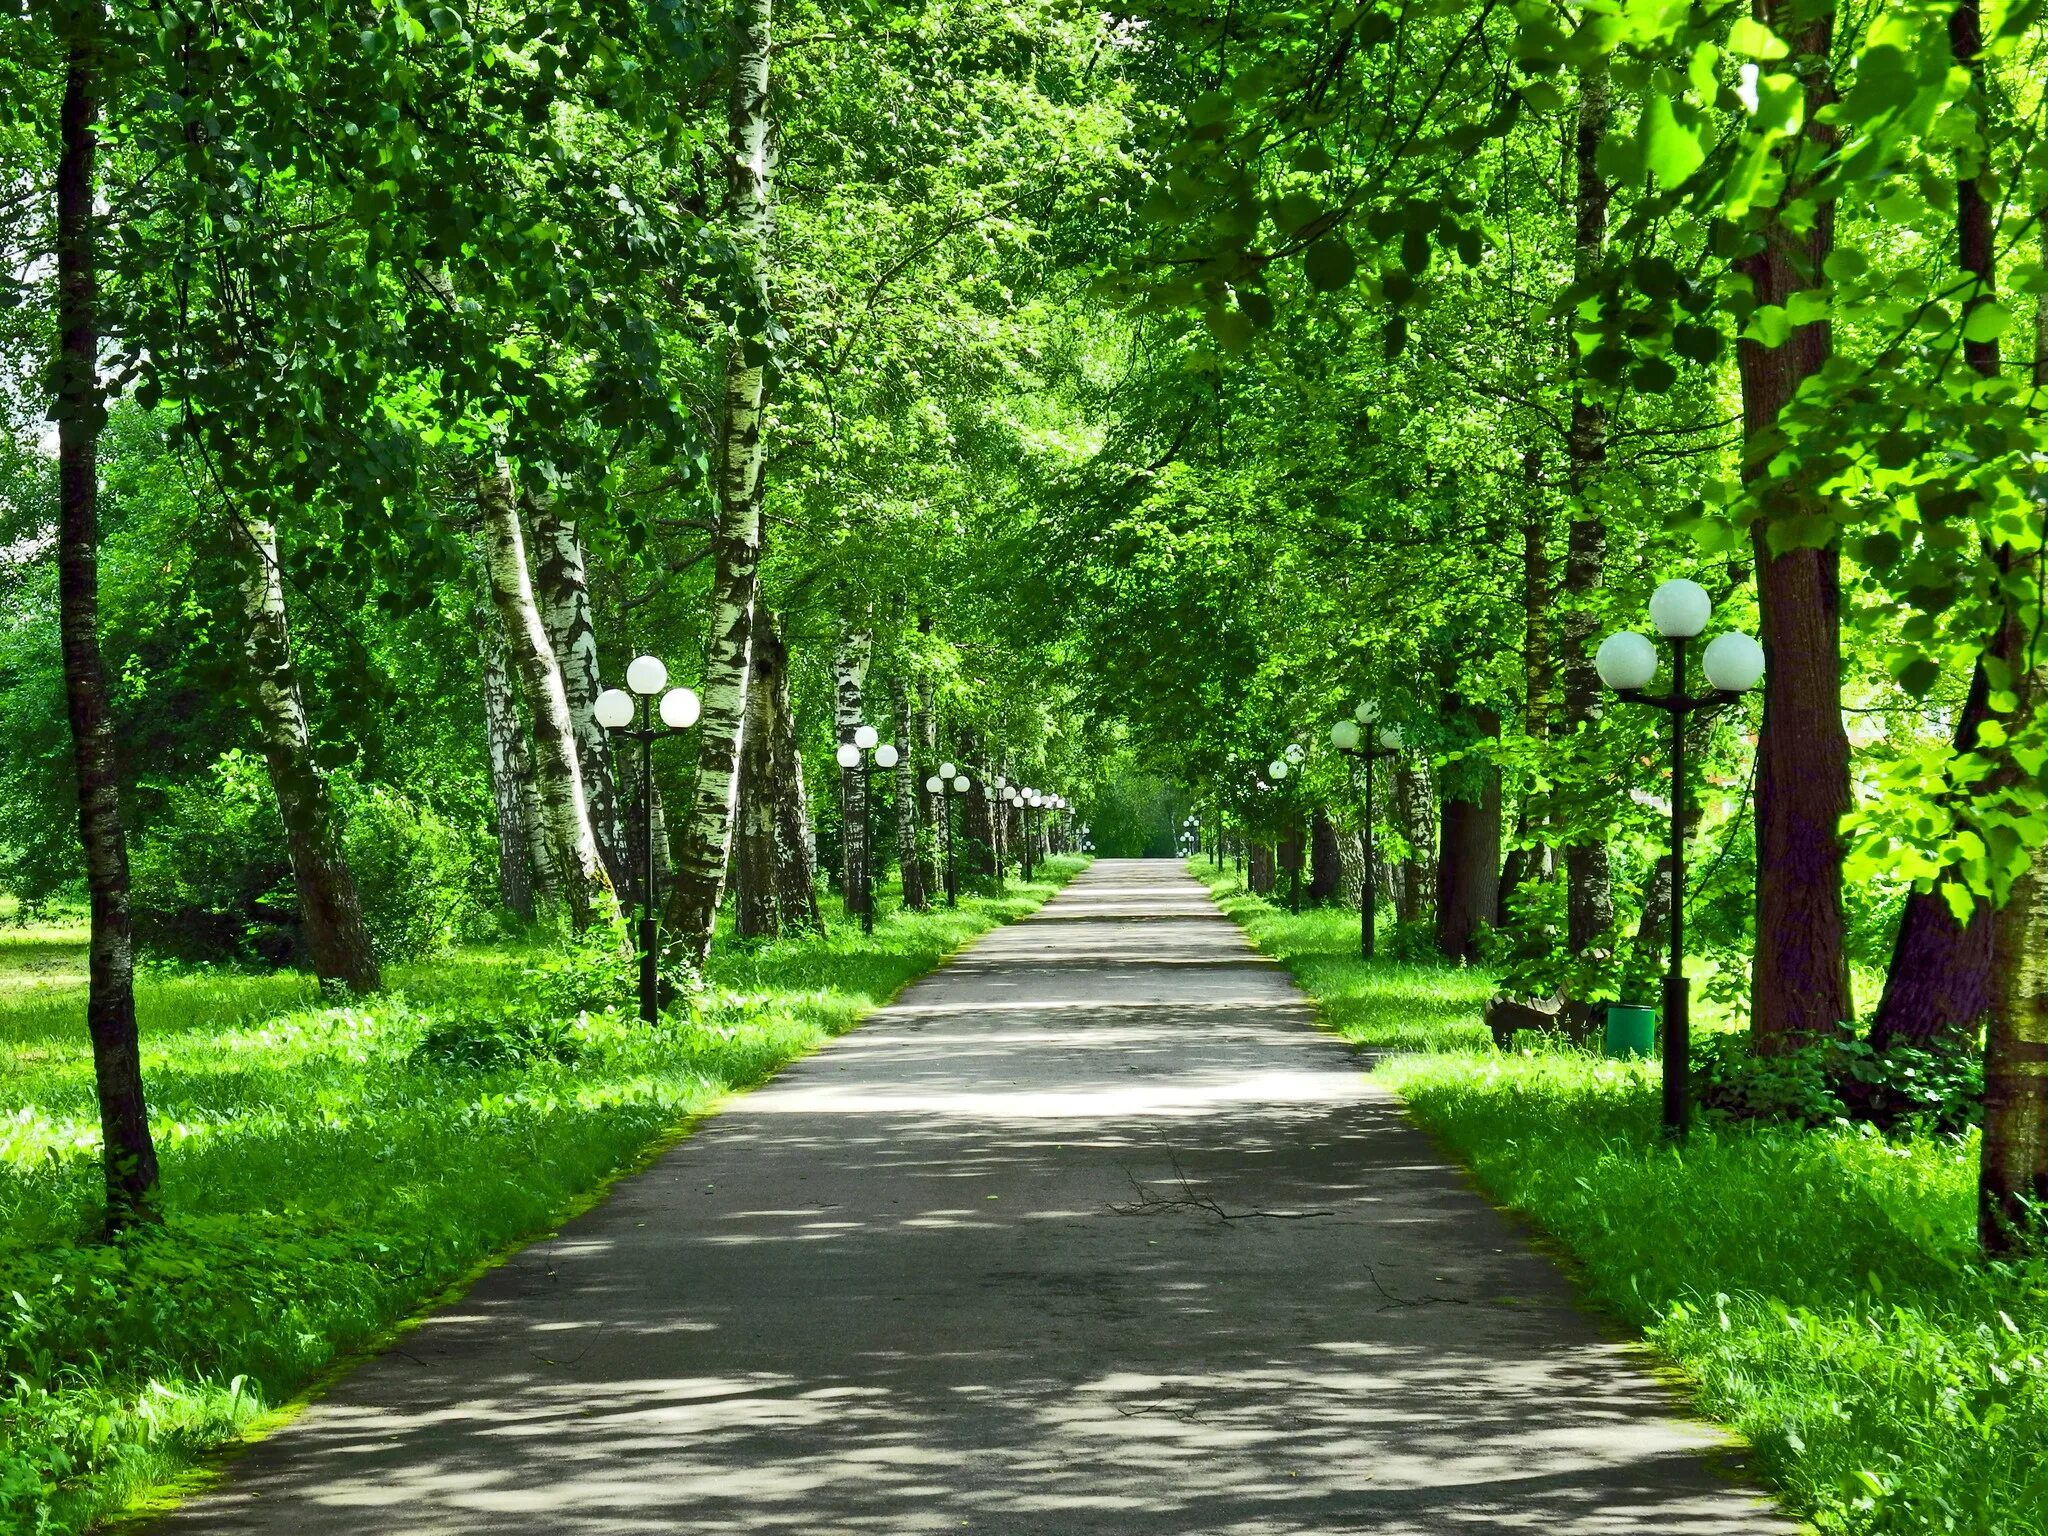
(1091, 1231)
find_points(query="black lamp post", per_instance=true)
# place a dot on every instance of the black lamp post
(867, 755)
(948, 782)
(1627, 662)
(614, 709)
(1348, 737)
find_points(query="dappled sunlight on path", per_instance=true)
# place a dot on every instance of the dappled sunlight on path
(1091, 1232)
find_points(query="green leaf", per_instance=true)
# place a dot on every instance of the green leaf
(1671, 150)
(1330, 263)
(1751, 39)
(1987, 322)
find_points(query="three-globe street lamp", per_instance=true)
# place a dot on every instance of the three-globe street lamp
(1349, 738)
(867, 755)
(1627, 662)
(947, 783)
(614, 710)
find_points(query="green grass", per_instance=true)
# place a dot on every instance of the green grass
(321, 1180)
(1820, 1289)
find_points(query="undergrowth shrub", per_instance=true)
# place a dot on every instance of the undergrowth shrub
(1939, 1087)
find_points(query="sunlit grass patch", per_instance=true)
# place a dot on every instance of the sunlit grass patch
(1821, 1289)
(322, 1177)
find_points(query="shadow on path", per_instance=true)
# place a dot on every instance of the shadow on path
(1091, 1232)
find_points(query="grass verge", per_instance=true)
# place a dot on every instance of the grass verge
(329, 1169)
(1821, 1289)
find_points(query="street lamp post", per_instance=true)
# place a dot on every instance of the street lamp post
(1627, 662)
(1348, 737)
(948, 782)
(867, 755)
(614, 709)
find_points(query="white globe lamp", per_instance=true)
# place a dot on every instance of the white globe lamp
(1626, 661)
(646, 675)
(1679, 609)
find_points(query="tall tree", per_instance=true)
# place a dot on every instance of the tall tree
(909, 777)
(129, 1153)
(330, 911)
(849, 678)
(586, 888)
(1589, 898)
(520, 848)
(736, 536)
(562, 588)
(1800, 986)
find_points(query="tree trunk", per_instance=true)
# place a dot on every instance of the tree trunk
(1589, 896)
(931, 808)
(736, 541)
(1468, 868)
(977, 850)
(128, 1153)
(1326, 858)
(796, 853)
(562, 588)
(755, 851)
(1259, 872)
(909, 781)
(558, 778)
(1417, 868)
(511, 773)
(849, 679)
(1939, 982)
(330, 912)
(2012, 1179)
(1800, 984)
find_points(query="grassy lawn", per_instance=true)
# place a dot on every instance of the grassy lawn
(1821, 1289)
(329, 1169)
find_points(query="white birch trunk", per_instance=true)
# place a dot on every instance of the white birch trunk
(910, 772)
(849, 678)
(562, 587)
(736, 541)
(511, 775)
(558, 779)
(330, 912)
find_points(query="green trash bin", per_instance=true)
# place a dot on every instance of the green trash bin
(1631, 1030)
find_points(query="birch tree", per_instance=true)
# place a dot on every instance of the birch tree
(736, 536)
(586, 888)
(330, 911)
(127, 1149)
(849, 677)
(562, 587)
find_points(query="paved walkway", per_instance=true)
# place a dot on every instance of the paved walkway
(1091, 1232)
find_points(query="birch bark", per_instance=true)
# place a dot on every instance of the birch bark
(586, 888)
(849, 678)
(796, 850)
(511, 774)
(909, 778)
(128, 1153)
(736, 540)
(562, 588)
(754, 848)
(330, 911)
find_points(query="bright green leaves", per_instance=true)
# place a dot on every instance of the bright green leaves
(1749, 38)
(1670, 148)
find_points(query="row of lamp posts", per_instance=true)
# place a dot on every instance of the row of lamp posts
(1733, 663)
(631, 714)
